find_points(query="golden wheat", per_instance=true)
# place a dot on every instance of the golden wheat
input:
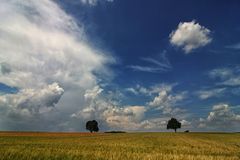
(124, 146)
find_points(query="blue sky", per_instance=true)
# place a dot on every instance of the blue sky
(129, 64)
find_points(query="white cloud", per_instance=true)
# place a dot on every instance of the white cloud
(205, 94)
(221, 73)
(154, 124)
(41, 46)
(125, 118)
(190, 35)
(233, 81)
(149, 91)
(90, 2)
(166, 101)
(47, 56)
(32, 101)
(138, 89)
(94, 2)
(161, 123)
(221, 117)
(93, 93)
(145, 69)
(185, 123)
(132, 90)
(45, 48)
(110, 113)
(226, 76)
(115, 116)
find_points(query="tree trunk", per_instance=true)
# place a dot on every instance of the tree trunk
(175, 130)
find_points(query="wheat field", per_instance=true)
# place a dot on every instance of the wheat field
(122, 146)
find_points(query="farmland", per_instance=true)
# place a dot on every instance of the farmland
(122, 146)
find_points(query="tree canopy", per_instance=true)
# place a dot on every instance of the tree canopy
(92, 126)
(173, 124)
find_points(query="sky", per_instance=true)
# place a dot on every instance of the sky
(129, 64)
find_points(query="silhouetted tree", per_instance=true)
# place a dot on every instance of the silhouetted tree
(173, 124)
(92, 126)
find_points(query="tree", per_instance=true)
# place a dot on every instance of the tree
(92, 126)
(173, 124)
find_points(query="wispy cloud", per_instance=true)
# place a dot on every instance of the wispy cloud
(94, 2)
(159, 64)
(206, 94)
(226, 81)
(146, 69)
(149, 91)
(234, 46)
(226, 76)
(132, 90)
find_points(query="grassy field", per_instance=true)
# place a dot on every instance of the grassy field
(124, 146)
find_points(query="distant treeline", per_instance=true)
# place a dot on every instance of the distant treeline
(115, 132)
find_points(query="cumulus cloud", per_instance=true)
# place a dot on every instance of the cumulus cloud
(166, 101)
(113, 115)
(110, 113)
(154, 123)
(190, 35)
(92, 93)
(43, 48)
(126, 118)
(48, 58)
(221, 118)
(32, 101)
(185, 123)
